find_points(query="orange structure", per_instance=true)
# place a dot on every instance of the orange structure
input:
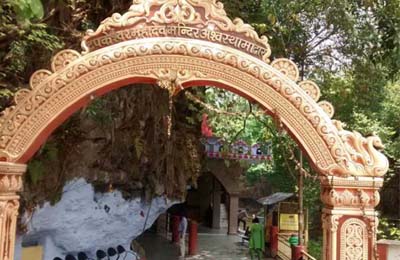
(193, 231)
(178, 44)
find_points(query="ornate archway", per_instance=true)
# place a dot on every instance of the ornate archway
(184, 43)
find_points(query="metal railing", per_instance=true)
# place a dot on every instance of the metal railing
(284, 248)
(307, 255)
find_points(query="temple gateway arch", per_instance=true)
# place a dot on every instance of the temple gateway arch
(178, 44)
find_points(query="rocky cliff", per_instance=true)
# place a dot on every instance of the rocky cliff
(120, 142)
(86, 221)
(118, 153)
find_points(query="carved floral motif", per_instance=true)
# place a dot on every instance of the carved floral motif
(354, 240)
(311, 88)
(351, 192)
(21, 95)
(10, 183)
(11, 177)
(330, 222)
(333, 222)
(327, 107)
(63, 58)
(287, 68)
(38, 77)
(173, 80)
(350, 198)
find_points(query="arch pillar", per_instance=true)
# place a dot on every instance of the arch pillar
(10, 184)
(217, 193)
(233, 213)
(349, 218)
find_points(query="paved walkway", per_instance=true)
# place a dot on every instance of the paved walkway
(213, 245)
(158, 248)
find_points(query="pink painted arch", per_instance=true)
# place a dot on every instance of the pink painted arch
(54, 96)
(186, 43)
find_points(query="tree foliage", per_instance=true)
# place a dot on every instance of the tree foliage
(351, 49)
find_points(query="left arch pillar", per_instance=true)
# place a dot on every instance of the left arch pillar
(10, 184)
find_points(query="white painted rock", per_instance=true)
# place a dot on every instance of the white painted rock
(87, 221)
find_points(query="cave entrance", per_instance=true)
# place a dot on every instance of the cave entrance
(180, 44)
(214, 202)
(208, 202)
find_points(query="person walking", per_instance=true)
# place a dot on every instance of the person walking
(182, 235)
(257, 240)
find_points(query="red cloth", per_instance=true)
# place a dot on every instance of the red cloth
(205, 129)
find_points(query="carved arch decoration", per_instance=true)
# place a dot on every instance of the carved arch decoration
(180, 44)
(354, 240)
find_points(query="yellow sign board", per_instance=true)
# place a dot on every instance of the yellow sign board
(32, 253)
(289, 222)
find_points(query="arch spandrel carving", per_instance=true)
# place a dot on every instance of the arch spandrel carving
(185, 61)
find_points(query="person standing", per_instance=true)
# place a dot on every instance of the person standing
(242, 217)
(182, 234)
(257, 240)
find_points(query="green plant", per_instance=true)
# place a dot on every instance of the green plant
(36, 36)
(258, 171)
(27, 10)
(35, 171)
(97, 110)
(389, 229)
(315, 248)
(50, 151)
(139, 146)
(36, 167)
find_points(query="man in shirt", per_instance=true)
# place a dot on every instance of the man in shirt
(182, 232)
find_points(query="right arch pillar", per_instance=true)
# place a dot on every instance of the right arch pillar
(349, 218)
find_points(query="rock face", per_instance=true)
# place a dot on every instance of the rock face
(84, 220)
(120, 140)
